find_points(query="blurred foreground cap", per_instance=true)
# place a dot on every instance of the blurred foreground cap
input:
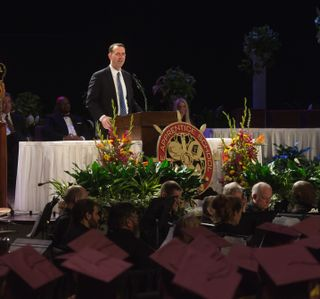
(95, 264)
(279, 229)
(311, 242)
(209, 277)
(288, 264)
(170, 255)
(204, 245)
(202, 231)
(3, 269)
(97, 240)
(243, 257)
(309, 226)
(31, 267)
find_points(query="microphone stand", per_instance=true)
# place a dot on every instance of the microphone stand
(140, 87)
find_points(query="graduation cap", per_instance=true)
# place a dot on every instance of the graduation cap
(309, 226)
(243, 257)
(213, 237)
(276, 234)
(95, 239)
(204, 245)
(288, 264)
(3, 270)
(31, 267)
(95, 264)
(170, 255)
(209, 277)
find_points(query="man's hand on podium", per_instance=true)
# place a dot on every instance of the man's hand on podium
(106, 122)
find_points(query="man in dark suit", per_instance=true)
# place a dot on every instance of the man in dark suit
(16, 131)
(111, 83)
(63, 125)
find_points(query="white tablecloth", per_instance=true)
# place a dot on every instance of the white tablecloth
(309, 137)
(43, 161)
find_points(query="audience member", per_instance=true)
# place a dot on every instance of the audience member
(85, 215)
(181, 105)
(207, 210)
(63, 125)
(72, 195)
(304, 197)
(257, 211)
(123, 230)
(16, 131)
(227, 214)
(261, 194)
(161, 214)
(187, 221)
(234, 189)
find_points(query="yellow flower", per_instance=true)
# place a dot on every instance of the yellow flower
(106, 157)
(232, 172)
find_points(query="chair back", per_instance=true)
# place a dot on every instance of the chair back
(41, 224)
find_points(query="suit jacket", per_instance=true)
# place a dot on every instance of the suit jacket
(55, 127)
(19, 124)
(102, 90)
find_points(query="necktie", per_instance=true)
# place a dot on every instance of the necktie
(9, 123)
(122, 103)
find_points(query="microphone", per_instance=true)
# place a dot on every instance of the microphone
(140, 87)
(44, 183)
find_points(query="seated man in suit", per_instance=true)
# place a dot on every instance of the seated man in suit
(85, 215)
(63, 125)
(16, 131)
(257, 211)
(123, 229)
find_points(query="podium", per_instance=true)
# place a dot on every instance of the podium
(143, 127)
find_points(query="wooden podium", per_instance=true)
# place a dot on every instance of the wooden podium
(3, 165)
(143, 127)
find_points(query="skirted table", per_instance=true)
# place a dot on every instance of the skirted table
(40, 162)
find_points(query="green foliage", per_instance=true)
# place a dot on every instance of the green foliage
(288, 166)
(28, 103)
(175, 83)
(138, 183)
(259, 47)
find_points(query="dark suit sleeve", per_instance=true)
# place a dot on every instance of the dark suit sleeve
(93, 97)
(52, 131)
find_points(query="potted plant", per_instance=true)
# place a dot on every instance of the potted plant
(29, 105)
(173, 84)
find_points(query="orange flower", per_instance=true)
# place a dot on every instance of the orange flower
(260, 139)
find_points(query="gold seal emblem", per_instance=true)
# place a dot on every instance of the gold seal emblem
(183, 144)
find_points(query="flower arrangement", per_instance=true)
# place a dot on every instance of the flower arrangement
(116, 149)
(241, 152)
(259, 47)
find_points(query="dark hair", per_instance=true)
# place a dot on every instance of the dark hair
(81, 207)
(207, 202)
(226, 206)
(111, 47)
(168, 187)
(119, 213)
